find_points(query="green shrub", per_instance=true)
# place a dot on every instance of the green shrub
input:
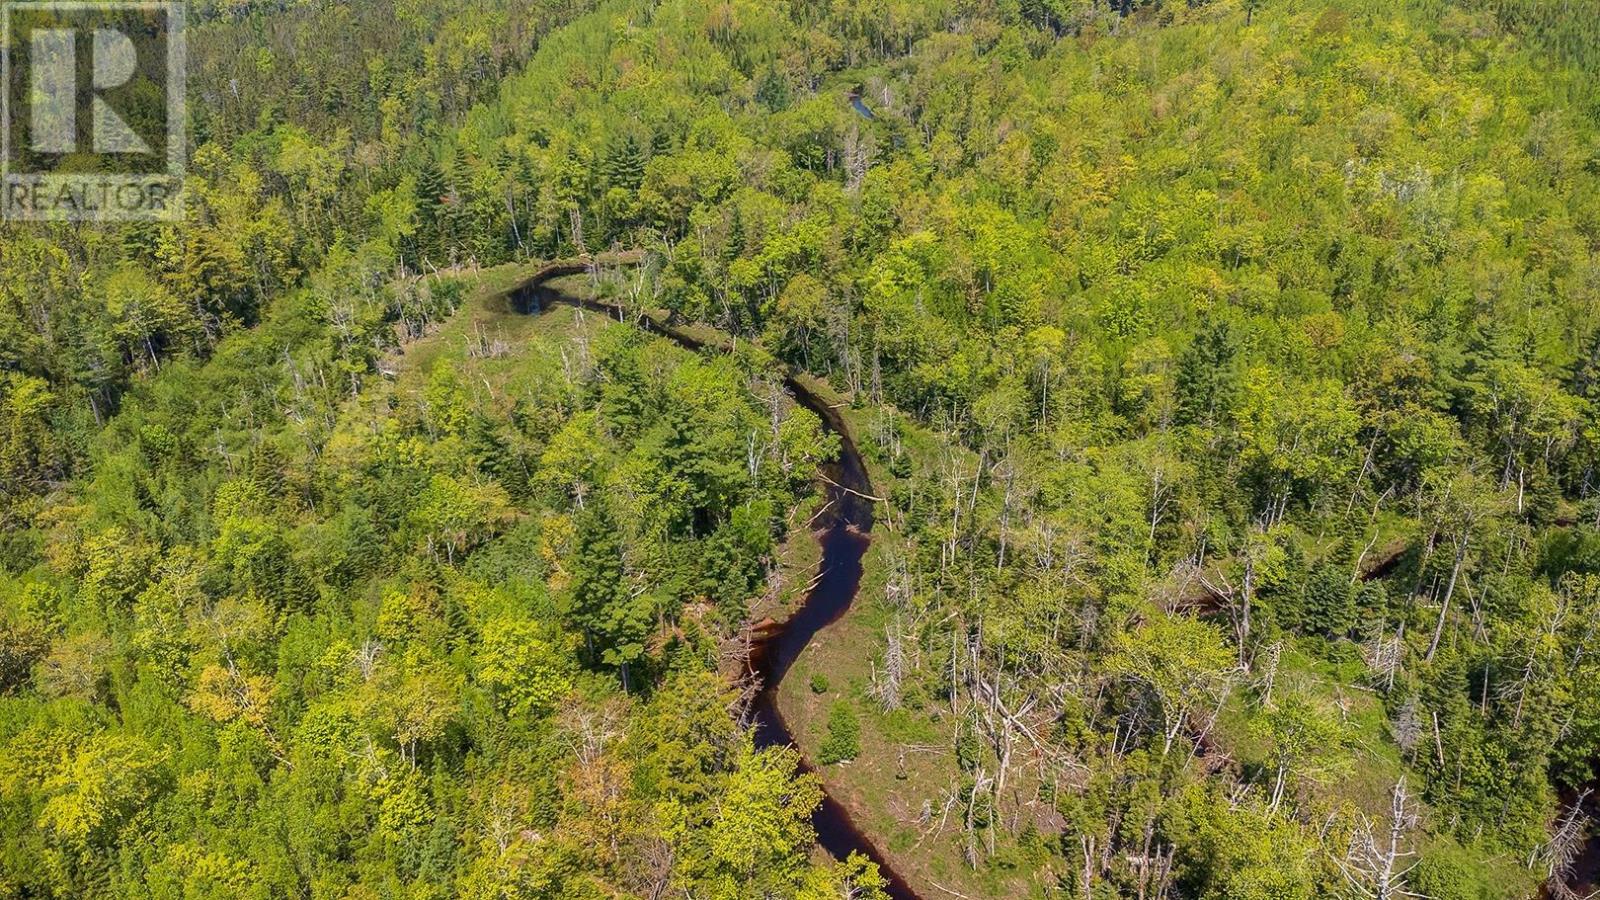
(844, 735)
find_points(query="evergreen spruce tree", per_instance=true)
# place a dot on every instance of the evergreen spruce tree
(623, 164)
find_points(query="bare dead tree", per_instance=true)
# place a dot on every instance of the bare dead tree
(1384, 654)
(981, 785)
(1375, 863)
(1086, 843)
(857, 156)
(1408, 727)
(590, 730)
(1269, 669)
(1241, 599)
(1560, 853)
(649, 872)
(1153, 863)
(1582, 591)
(1463, 506)
(366, 658)
(886, 687)
(1535, 653)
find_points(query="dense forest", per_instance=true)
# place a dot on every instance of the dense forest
(1228, 374)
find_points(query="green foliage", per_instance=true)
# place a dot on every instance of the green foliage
(107, 779)
(1229, 371)
(1182, 662)
(523, 668)
(1444, 874)
(1239, 852)
(1330, 602)
(843, 740)
(1208, 380)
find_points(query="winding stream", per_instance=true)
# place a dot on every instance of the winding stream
(843, 530)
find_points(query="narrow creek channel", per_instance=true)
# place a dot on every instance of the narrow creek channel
(843, 530)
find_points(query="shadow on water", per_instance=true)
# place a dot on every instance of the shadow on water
(843, 531)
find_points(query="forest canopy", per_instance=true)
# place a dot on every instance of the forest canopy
(1228, 374)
